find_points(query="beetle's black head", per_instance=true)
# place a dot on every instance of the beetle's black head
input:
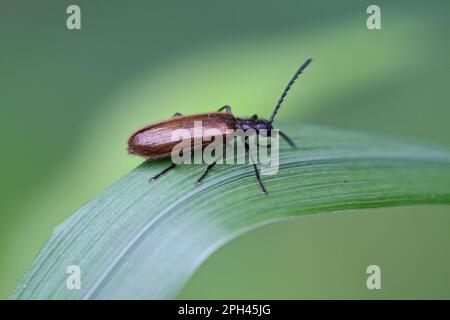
(261, 124)
(255, 124)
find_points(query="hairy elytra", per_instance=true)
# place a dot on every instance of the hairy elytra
(154, 141)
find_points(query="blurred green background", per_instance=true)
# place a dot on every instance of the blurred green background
(69, 99)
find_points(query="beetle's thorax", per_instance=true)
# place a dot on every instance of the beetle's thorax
(252, 123)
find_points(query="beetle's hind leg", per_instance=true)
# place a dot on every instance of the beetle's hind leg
(176, 114)
(155, 177)
(227, 108)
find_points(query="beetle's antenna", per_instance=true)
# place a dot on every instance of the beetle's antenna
(289, 85)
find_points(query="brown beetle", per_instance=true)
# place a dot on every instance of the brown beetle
(154, 141)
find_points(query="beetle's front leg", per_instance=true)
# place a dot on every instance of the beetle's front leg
(255, 167)
(288, 140)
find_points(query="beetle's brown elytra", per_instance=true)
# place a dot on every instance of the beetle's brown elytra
(154, 141)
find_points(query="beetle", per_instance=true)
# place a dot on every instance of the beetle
(154, 141)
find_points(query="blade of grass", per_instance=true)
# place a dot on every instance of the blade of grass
(144, 240)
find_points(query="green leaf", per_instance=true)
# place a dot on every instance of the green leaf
(144, 240)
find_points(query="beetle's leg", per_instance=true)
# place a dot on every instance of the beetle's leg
(227, 109)
(176, 114)
(173, 165)
(258, 177)
(254, 117)
(288, 140)
(268, 146)
(209, 167)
